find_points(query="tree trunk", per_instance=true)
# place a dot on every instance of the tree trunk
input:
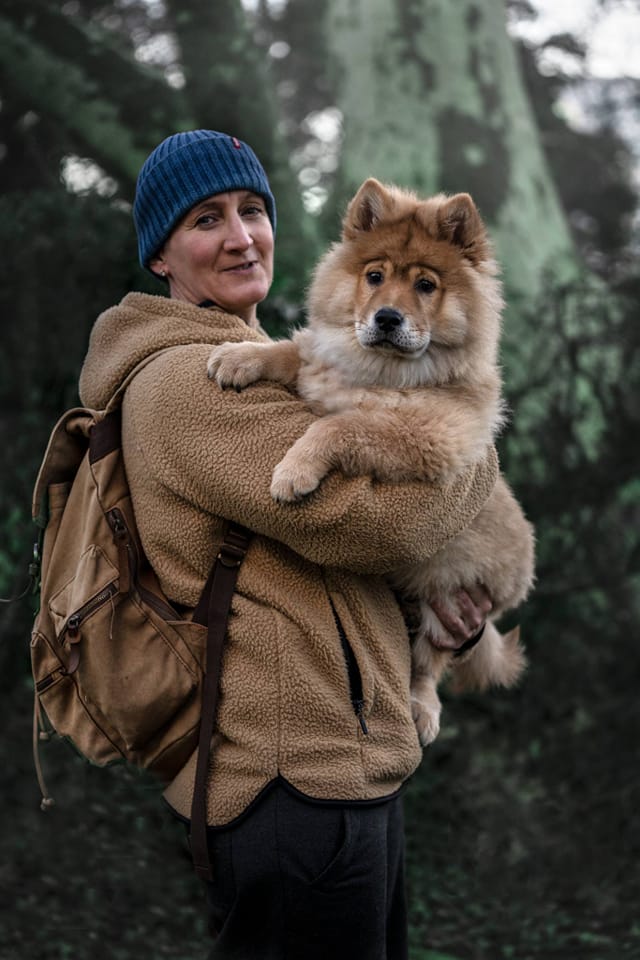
(433, 99)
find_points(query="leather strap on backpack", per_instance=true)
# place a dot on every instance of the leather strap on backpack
(213, 611)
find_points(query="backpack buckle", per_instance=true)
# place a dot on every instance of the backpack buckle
(230, 555)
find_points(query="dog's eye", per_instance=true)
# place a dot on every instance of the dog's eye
(425, 286)
(375, 278)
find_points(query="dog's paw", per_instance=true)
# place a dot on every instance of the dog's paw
(235, 365)
(292, 480)
(426, 719)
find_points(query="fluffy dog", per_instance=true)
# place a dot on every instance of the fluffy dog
(400, 358)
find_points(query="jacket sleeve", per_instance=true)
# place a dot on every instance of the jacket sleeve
(217, 449)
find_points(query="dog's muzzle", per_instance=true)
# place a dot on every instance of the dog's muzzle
(387, 319)
(389, 329)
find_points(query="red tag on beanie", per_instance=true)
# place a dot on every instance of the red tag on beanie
(236, 143)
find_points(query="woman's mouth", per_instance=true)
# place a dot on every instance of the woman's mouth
(241, 267)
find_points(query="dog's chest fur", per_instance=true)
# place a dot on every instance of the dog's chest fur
(327, 390)
(327, 385)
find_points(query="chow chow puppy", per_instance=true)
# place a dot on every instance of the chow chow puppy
(400, 359)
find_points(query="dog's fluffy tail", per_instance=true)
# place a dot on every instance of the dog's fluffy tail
(497, 660)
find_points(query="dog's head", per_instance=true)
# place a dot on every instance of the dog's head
(413, 283)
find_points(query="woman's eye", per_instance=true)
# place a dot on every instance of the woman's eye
(375, 278)
(425, 286)
(254, 210)
(205, 220)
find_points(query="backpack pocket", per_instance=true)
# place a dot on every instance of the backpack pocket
(112, 662)
(93, 584)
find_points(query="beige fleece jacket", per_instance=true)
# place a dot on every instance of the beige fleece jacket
(195, 456)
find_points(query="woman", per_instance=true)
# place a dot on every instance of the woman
(315, 737)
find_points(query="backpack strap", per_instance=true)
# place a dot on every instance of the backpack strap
(213, 611)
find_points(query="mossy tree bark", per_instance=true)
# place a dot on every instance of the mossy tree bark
(433, 99)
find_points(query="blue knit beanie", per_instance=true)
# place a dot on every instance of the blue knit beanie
(185, 169)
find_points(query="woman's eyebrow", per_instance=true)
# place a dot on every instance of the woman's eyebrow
(207, 205)
(213, 204)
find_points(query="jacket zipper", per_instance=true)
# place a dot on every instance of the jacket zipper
(353, 670)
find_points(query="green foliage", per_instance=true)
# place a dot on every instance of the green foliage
(71, 87)
(65, 93)
(66, 258)
(572, 365)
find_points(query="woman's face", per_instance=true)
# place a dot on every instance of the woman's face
(222, 250)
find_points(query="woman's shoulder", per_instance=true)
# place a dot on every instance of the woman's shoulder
(144, 326)
(172, 397)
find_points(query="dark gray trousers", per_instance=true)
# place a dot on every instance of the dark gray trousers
(296, 880)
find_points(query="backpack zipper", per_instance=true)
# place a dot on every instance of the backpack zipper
(128, 564)
(127, 561)
(353, 671)
(70, 634)
(127, 549)
(74, 622)
(50, 678)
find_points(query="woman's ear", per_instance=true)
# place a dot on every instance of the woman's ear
(158, 266)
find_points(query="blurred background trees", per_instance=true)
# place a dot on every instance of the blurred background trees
(517, 815)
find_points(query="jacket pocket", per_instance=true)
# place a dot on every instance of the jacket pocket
(353, 671)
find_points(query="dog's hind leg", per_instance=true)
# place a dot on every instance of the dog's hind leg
(427, 667)
(425, 708)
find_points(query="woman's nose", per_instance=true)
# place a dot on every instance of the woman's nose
(238, 236)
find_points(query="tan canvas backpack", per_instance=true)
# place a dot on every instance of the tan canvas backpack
(117, 670)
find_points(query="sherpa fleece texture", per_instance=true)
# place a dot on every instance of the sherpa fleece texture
(197, 455)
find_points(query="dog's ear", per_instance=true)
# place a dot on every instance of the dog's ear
(367, 208)
(460, 223)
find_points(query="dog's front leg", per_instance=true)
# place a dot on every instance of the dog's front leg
(357, 442)
(304, 465)
(240, 364)
(352, 441)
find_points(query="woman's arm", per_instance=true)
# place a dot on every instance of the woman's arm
(218, 449)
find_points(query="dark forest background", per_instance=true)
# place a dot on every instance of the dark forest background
(523, 831)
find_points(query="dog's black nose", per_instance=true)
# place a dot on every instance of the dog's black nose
(387, 319)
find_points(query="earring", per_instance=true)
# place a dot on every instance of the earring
(163, 273)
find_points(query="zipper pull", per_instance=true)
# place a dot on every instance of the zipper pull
(121, 540)
(358, 706)
(35, 566)
(70, 639)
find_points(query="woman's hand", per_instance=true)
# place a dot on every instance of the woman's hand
(462, 615)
